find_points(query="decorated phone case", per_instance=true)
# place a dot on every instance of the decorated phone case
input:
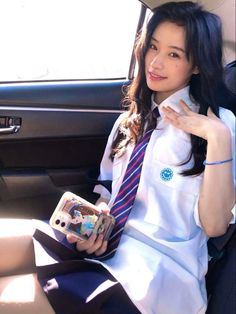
(75, 215)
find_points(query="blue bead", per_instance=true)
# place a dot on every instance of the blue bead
(166, 174)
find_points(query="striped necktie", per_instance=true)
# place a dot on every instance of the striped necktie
(126, 196)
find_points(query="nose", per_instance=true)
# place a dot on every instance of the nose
(157, 62)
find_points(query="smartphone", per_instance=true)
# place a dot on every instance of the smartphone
(81, 218)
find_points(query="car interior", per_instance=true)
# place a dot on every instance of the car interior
(52, 137)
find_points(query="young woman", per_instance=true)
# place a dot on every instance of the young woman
(170, 159)
(185, 193)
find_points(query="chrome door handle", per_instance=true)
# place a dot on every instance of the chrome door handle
(9, 125)
(10, 130)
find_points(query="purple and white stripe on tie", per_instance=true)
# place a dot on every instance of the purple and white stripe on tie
(125, 198)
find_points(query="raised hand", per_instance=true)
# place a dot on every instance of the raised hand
(195, 123)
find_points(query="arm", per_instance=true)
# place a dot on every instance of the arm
(217, 194)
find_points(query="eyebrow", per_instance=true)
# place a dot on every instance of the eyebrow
(174, 47)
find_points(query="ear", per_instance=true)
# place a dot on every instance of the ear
(195, 70)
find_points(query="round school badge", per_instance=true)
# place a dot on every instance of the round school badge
(166, 174)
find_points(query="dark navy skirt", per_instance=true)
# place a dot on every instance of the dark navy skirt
(74, 285)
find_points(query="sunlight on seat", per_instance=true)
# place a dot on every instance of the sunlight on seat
(19, 290)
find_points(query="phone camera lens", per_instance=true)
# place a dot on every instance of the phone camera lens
(57, 221)
(63, 224)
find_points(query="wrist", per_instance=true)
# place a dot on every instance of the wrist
(218, 162)
(219, 146)
(220, 136)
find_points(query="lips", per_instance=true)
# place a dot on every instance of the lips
(155, 77)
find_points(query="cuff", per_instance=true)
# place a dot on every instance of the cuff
(104, 193)
(233, 211)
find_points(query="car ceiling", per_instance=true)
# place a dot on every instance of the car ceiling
(225, 9)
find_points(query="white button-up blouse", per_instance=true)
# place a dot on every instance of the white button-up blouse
(162, 257)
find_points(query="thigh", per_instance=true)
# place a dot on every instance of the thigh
(16, 246)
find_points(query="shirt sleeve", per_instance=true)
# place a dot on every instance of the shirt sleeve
(229, 119)
(106, 163)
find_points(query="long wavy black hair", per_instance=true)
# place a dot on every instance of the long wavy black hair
(203, 45)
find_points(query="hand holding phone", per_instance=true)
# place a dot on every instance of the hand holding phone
(81, 218)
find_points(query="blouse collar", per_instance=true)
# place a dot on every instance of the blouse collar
(173, 101)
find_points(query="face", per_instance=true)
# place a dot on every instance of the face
(166, 66)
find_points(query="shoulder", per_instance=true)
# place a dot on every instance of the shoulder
(120, 118)
(116, 124)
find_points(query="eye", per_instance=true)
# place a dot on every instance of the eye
(174, 55)
(152, 46)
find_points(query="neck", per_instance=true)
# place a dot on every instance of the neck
(158, 98)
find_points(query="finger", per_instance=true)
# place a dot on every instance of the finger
(171, 115)
(84, 245)
(184, 106)
(169, 112)
(97, 244)
(102, 249)
(71, 238)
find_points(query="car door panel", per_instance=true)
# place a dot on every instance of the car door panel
(63, 132)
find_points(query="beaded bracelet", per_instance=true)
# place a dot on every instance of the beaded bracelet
(205, 163)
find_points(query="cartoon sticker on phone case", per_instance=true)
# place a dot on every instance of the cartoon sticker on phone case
(82, 224)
